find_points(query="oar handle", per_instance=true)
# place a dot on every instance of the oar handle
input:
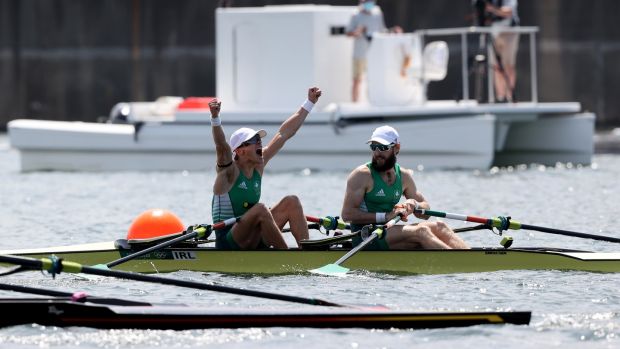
(496, 222)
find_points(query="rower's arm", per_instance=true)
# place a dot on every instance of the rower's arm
(500, 11)
(357, 184)
(289, 127)
(226, 170)
(412, 194)
(222, 149)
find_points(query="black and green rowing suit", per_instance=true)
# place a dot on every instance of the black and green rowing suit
(381, 198)
(244, 194)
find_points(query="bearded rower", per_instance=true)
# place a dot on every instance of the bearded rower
(237, 187)
(374, 191)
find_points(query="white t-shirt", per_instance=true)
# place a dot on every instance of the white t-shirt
(373, 22)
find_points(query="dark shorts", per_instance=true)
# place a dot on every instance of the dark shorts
(224, 240)
(379, 244)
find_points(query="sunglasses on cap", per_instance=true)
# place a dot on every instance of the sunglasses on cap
(381, 147)
(254, 140)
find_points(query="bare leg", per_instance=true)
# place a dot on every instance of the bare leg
(289, 210)
(413, 236)
(355, 93)
(512, 78)
(257, 224)
(500, 84)
(446, 234)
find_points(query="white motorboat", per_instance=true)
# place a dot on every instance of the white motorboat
(266, 59)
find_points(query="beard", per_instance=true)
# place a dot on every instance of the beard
(387, 165)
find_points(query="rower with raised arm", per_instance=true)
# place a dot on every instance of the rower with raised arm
(374, 191)
(237, 187)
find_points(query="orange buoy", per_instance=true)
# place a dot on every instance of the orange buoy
(154, 223)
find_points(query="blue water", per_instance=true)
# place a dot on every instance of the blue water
(570, 309)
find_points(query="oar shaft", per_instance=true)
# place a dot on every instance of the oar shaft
(374, 235)
(515, 225)
(455, 216)
(363, 244)
(71, 267)
(495, 222)
(31, 290)
(569, 233)
(202, 286)
(78, 296)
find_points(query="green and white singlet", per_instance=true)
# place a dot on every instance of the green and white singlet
(244, 194)
(381, 198)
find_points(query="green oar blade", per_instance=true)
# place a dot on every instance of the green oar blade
(336, 269)
(331, 269)
(101, 266)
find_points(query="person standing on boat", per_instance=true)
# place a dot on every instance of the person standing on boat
(374, 191)
(363, 25)
(237, 187)
(503, 14)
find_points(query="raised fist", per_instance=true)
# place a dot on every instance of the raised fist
(313, 94)
(215, 106)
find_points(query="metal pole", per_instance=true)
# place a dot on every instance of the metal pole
(464, 67)
(490, 69)
(423, 79)
(533, 68)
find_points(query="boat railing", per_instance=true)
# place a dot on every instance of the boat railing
(484, 32)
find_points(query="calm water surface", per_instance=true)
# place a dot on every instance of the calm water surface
(570, 309)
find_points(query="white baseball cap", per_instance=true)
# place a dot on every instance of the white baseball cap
(385, 135)
(244, 134)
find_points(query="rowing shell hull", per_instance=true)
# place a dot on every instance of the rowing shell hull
(293, 261)
(65, 313)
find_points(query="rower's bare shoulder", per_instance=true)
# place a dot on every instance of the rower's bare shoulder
(360, 178)
(406, 175)
(406, 172)
(360, 172)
